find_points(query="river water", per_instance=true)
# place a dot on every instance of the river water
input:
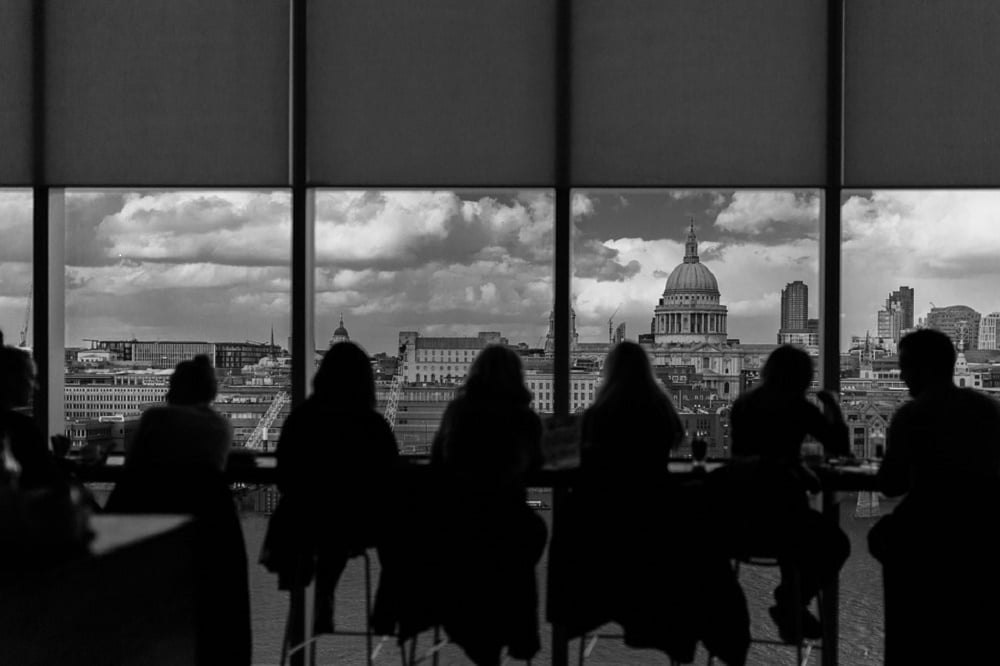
(861, 617)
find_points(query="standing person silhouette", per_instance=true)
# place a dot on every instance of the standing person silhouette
(939, 546)
(488, 443)
(627, 547)
(769, 424)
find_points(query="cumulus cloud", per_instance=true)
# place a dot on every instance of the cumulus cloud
(755, 213)
(944, 244)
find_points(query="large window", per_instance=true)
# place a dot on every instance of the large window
(709, 281)
(154, 278)
(423, 280)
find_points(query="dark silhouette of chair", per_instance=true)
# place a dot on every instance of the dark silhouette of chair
(310, 643)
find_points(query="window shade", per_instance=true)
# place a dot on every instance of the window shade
(431, 93)
(167, 92)
(699, 92)
(922, 93)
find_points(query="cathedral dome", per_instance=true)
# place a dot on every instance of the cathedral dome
(691, 277)
(691, 274)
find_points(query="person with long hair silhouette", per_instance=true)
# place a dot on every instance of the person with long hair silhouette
(628, 547)
(488, 444)
(336, 459)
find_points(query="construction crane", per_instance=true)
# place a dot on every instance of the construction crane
(611, 324)
(27, 317)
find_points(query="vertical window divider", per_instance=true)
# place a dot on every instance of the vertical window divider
(830, 283)
(302, 210)
(303, 348)
(563, 212)
(41, 347)
(830, 233)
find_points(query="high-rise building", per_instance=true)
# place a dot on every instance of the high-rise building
(795, 306)
(903, 298)
(988, 331)
(897, 317)
(958, 322)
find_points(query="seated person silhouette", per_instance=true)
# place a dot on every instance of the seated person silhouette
(768, 426)
(490, 541)
(939, 546)
(174, 464)
(22, 445)
(336, 459)
(627, 547)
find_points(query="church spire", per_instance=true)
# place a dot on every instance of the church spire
(691, 247)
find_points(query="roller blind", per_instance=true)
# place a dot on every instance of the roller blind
(15, 92)
(922, 93)
(167, 92)
(699, 92)
(437, 92)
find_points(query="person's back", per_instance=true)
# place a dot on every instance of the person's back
(938, 547)
(488, 443)
(181, 435)
(945, 439)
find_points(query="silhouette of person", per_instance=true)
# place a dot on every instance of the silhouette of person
(938, 546)
(768, 426)
(186, 431)
(174, 464)
(22, 444)
(490, 541)
(610, 558)
(336, 459)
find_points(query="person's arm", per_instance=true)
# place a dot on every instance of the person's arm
(286, 454)
(831, 429)
(894, 473)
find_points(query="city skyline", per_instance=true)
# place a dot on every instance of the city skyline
(214, 265)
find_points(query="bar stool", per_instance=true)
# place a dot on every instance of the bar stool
(801, 645)
(310, 643)
(588, 641)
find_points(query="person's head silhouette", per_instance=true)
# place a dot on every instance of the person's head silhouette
(627, 372)
(497, 374)
(788, 370)
(193, 382)
(345, 377)
(926, 360)
(17, 376)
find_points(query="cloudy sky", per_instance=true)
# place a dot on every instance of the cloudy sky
(214, 265)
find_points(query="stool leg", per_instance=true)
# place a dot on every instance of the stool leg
(437, 641)
(368, 605)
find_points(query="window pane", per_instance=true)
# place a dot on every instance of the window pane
(444, 273)
(16, 267)
(404, 93)
(910, 259)
(921, 97)
(15, 82)
(167, 91)
(699, 92)
(154, 278)
(917, 258)
(708, 281)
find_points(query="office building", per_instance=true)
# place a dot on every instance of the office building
(988, 332)
(794, 306)
(958, 322)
